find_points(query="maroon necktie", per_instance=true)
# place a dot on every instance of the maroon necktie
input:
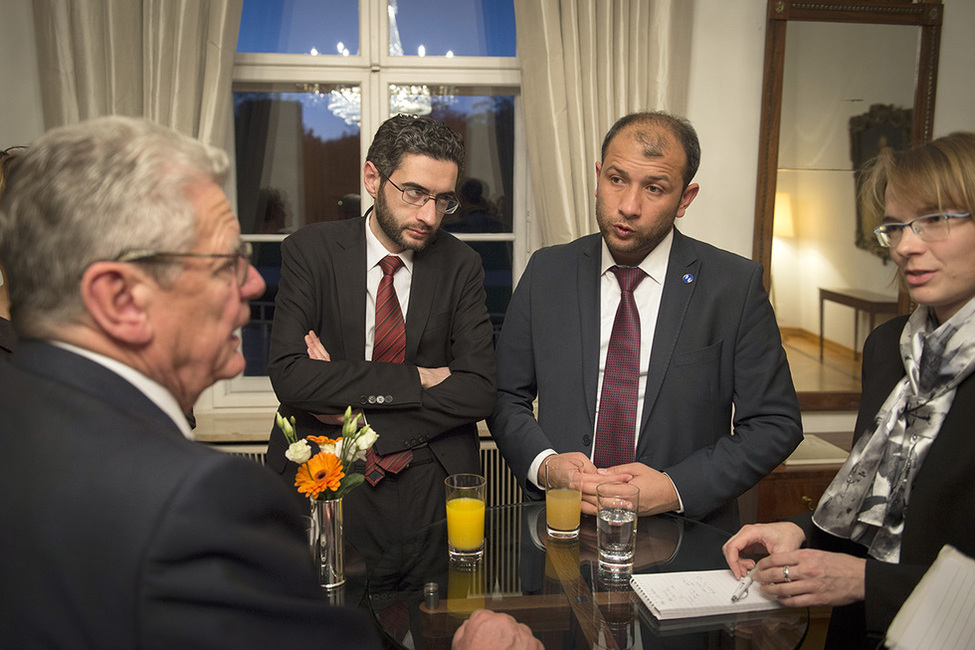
(616, 423)
(389, 345)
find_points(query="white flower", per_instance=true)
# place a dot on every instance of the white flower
(287, 426)
(330, 448)
(298, 452)
(366, 438)
(363, 441)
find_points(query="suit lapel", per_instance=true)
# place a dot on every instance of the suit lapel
(587, 272)
(679, 286)
(84, 375)
(350, 278)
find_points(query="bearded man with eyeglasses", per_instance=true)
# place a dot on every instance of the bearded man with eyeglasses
(422, 384)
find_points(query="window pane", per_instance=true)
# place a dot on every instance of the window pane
(300, 27)
(452, 27)
(256, 335)
(486, 121)
(297, 162)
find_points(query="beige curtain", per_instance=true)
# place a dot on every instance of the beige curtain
(168, 60)
(586, 63)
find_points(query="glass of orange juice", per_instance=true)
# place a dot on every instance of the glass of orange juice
(563, 496)
(465, 516)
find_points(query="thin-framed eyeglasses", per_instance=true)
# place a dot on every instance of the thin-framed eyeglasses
(241, 259)
(928, 228)
(417, 197)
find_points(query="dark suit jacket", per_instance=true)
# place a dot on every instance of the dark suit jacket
(120, 533)
(716, 344)
(8, 336)
(942, 505)
(323, 288)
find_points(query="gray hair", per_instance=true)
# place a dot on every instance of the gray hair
(407, 134)
(94, 191)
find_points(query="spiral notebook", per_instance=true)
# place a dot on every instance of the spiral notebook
(688, 594)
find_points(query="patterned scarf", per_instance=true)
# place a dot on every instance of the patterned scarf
(867, 498)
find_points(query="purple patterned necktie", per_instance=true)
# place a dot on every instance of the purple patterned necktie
(389, 346)
(616, 422)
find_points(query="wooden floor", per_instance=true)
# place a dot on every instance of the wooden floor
(838, 371)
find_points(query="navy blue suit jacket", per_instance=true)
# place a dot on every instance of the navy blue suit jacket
(121, 533)
(716, 350)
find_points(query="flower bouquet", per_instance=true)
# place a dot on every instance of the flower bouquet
(326, 477)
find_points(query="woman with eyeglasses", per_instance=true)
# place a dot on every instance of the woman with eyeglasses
(908, 486)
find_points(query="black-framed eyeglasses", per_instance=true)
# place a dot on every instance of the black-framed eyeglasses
(243, 253)
(928, 228)
(417, 197)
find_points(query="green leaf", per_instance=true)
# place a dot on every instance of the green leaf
(348, 483)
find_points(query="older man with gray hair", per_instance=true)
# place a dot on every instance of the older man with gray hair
(128, 280)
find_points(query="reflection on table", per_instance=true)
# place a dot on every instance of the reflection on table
(556, 588)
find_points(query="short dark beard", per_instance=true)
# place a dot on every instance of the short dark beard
(645, 244)
(388, 224)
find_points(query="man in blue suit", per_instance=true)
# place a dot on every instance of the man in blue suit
(128, 279)
(712, 408)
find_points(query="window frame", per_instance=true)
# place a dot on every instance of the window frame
(373, 70)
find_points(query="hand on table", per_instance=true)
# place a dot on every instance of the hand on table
(657, 492)
(489, 630)
(815, 578)
(760, 539)
(797, 577)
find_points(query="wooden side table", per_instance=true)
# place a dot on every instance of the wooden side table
(872, 303)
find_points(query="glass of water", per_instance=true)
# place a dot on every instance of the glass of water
(616, 520)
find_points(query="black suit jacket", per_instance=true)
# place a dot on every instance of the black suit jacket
(716, 348)
(942, 505)
(323, 288)
(120, 533)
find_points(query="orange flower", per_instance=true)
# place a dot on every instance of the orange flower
(322, 472)
(323, 440)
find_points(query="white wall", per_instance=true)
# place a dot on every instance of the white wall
(724, 106)
(20, 91)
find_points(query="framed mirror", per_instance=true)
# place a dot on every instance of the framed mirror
(839, 59)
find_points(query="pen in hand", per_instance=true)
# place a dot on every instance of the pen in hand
(743, 584)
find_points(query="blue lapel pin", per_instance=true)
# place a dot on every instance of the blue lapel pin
(688, 278)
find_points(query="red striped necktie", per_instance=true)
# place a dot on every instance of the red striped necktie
(616, 422)
(389, 345)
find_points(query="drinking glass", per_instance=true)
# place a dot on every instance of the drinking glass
(465, 516)
(616, 519)
(563, 496)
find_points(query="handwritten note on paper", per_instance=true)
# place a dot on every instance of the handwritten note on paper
(687, 594)
(939, 612)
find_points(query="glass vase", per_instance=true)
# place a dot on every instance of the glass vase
(327, 542)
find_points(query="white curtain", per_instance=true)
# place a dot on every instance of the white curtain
(586, 63)
(167, 60)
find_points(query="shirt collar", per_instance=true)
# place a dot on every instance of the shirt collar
(375, 251)
(654, 264)
(156, 392)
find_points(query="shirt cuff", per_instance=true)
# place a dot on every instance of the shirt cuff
(680, 502)
(533, 468)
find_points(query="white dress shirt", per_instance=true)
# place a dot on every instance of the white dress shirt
(647, 296)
